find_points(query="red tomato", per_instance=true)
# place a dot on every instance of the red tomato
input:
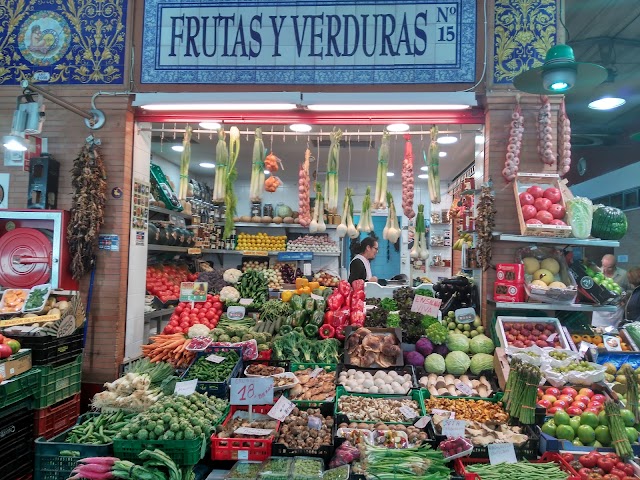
(217, 305)
(169, 329)
(613, 457)
(588, 461)
(201, 315)
(606, 464)
(584, 473)
(215, 298)
(618, 473)
(567, 457)
(210, 315)
(208, 305)
(628, 469)
(184, 325)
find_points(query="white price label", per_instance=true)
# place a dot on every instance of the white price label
(281, 409)
(422, 422)
(213, 358)
(243, 454)
(552, 337)
(235, 313)
(501, 453)
(443, 413)
(426, 305)
(464, 389)
(408, 412)
(260, 432)
(246, 301)
(453, 428)
(186, 388)
(317, 297)
(316, 371)
(251, 391)
(465, 315)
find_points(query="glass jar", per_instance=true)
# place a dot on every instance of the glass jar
(267, 210)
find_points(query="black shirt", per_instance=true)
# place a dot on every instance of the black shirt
(632, 312)
(357, 271)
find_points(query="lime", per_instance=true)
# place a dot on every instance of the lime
(565, 432)
(632, 433)
(603, 436)
(628, 417)
(586, 434)
(561, 418)
(589, 418)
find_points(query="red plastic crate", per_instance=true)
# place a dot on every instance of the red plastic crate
(459, 465)
(49, 422)
(242, 448)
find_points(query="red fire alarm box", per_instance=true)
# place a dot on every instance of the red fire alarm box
(34, 249)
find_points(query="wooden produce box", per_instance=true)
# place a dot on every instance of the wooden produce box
(16, 364)
(544, 180)
(501, 366)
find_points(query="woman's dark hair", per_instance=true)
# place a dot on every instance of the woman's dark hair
(357, 247)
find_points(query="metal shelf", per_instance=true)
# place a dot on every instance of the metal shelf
(159, 313)
(167, 248)
(273, 225)
(575, 307)
(169, 212)
(271, 254)
(588, 242)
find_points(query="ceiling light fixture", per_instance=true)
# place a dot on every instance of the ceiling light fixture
(424, 168)
(423, 175)
(442, 154)
(15, 143)
(207, 165)
(607, 103)
(300, 127)
(177, 148)
(221, 106)
(479, 139)
(447, 140)
(382, 107)
(397, 127)
(210, 125)
(390, 174)
(560, 73)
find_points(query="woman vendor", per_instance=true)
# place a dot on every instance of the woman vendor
(360, 266)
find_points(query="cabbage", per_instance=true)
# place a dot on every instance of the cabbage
(424, 346)
(457, 363)
(481, 344)
(579, 216)
(415, 358)
(434, 363)
(456, 342)
(481, 362)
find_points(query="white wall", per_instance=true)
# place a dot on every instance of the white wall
(172, 171)
(612, 182)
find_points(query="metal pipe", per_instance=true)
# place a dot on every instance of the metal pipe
(58, 101)
(309, 134)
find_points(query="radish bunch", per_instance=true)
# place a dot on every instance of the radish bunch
(304, 209)
(545, 133)
(514, 147)
(564, 141)
(407, 179)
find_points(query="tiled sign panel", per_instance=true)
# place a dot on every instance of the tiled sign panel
(303, 42)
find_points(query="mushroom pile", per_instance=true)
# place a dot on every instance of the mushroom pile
(367, 349)
(461, 386)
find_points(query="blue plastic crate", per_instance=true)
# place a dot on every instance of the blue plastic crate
(552, 444)
(216, 389)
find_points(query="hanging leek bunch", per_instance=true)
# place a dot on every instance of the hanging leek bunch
(434, 167)
(230, 198)
(185, 159)
(379, 199)
(365, 224)
(333, 165)
(257, 168)
(391, 230)
(222, 161)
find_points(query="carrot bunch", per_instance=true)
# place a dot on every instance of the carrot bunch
(169, 348)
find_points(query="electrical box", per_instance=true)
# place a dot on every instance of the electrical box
(44, 173)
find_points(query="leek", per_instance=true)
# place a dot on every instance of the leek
(257, 168)
(333, 165)
(434, 167)
(379, 199)
(352, 231)
(222, 161)
(343, 228)
(185, 159)
(420, 236)
(366, 223)
(230, 198)
(393, 228)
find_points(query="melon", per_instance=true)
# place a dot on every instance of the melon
(609, 223)
(539, 283)
(557, 285)
(531, 264)
(551, 264)
(544, 275)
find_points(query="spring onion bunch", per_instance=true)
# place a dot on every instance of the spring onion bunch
(185, 159)
(333, 165)
(418, 463)
(257, 168)
(392, 230)
(366, 222)
(230, 198)
(419, 249)
(434, 167)
(222, 162)
(380, 199)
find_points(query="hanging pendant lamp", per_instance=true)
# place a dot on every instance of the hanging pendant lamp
(560, 74)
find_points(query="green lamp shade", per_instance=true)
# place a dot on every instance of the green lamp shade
(560, 74)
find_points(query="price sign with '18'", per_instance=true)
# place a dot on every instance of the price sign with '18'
(251, 391)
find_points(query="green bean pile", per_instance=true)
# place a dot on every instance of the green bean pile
(518, 471)
(206, 371)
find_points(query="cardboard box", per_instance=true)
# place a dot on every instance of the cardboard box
(501, 366)
(507, 292)
(15, 365)
(588, 289)
(512, 273)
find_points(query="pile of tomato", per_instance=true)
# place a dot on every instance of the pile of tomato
(183, 317)
(600, 466)
(163, 281)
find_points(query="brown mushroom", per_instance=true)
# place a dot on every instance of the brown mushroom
(372, 343)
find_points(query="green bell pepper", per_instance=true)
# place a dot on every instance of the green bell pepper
(310, 305)
(317, 318)
(299, 318)
(299, 330)
(284, 329)
(311, 331)
(297, 302)
(321, 305)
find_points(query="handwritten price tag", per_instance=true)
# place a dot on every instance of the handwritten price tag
(186, 388)
(453, 428)
(316, 371)
(426, 305)
(443, 413)
(464, 389)
(422, 421)
(251, 391)
(246, 301)
(213, 358)
(408, 412)
(281, 409)
(501, 453)
(253, 431)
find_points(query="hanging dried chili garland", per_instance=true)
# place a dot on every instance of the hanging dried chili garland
(89, 179)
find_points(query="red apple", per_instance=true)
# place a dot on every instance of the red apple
(554, 391)
(557, 221)
(553, 410)
(574, 411)
(586, 391)
(580, 405)
(598, 398)
(528, 343)
(528, 211)
(540, 392)
(583, 399)
(569, 391)
(595, 404)
(534, 221)
(536, 191)
(518, 344)
(541, 343)
(526, 198)
(542, 204)
(544, 403)
(544, 217)
(560, 403)
(550, 398)
(552, 194)
(557, 211)
(566, 398)
(592, 410)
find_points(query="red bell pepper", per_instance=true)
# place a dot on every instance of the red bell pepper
(347, 301)
(340, 318)
(335, 301)
(344, 288)
(327, 331)
(357, 318)
(359, 294)
(358, 285)
(340, 332)
(328, 318)
(357, 305)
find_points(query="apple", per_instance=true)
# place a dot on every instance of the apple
(557, 221)
(542, 204)
(541, 343)
(552, 194)
(560, 403)
(528, 211)
(555, 392)
(569, 391)
(540, 392)
(518, 344)
(526, 198)
(583, 399)
(528, 343)
(544, 403)
(586, 391)
(574, 411)
(550, 398)
(557, 211)
(544, 217)
(598, 398)
(595, 404)
(580, 405)
(566, 398)
(592, 410)
(534, 221)
(5, 351)
(553, 410)
(536, 191)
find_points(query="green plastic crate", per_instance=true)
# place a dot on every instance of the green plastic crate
(415, 394)
(55, 459)
(329, 367)
(58, 383)
(495, 398)
(183, 452)
(20, 387)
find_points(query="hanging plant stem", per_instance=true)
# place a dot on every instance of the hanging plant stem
(185, 160)
(333, 165)
(379, 199)
(257, 167)
(433, 181)
(222, 162)
(230, 198)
